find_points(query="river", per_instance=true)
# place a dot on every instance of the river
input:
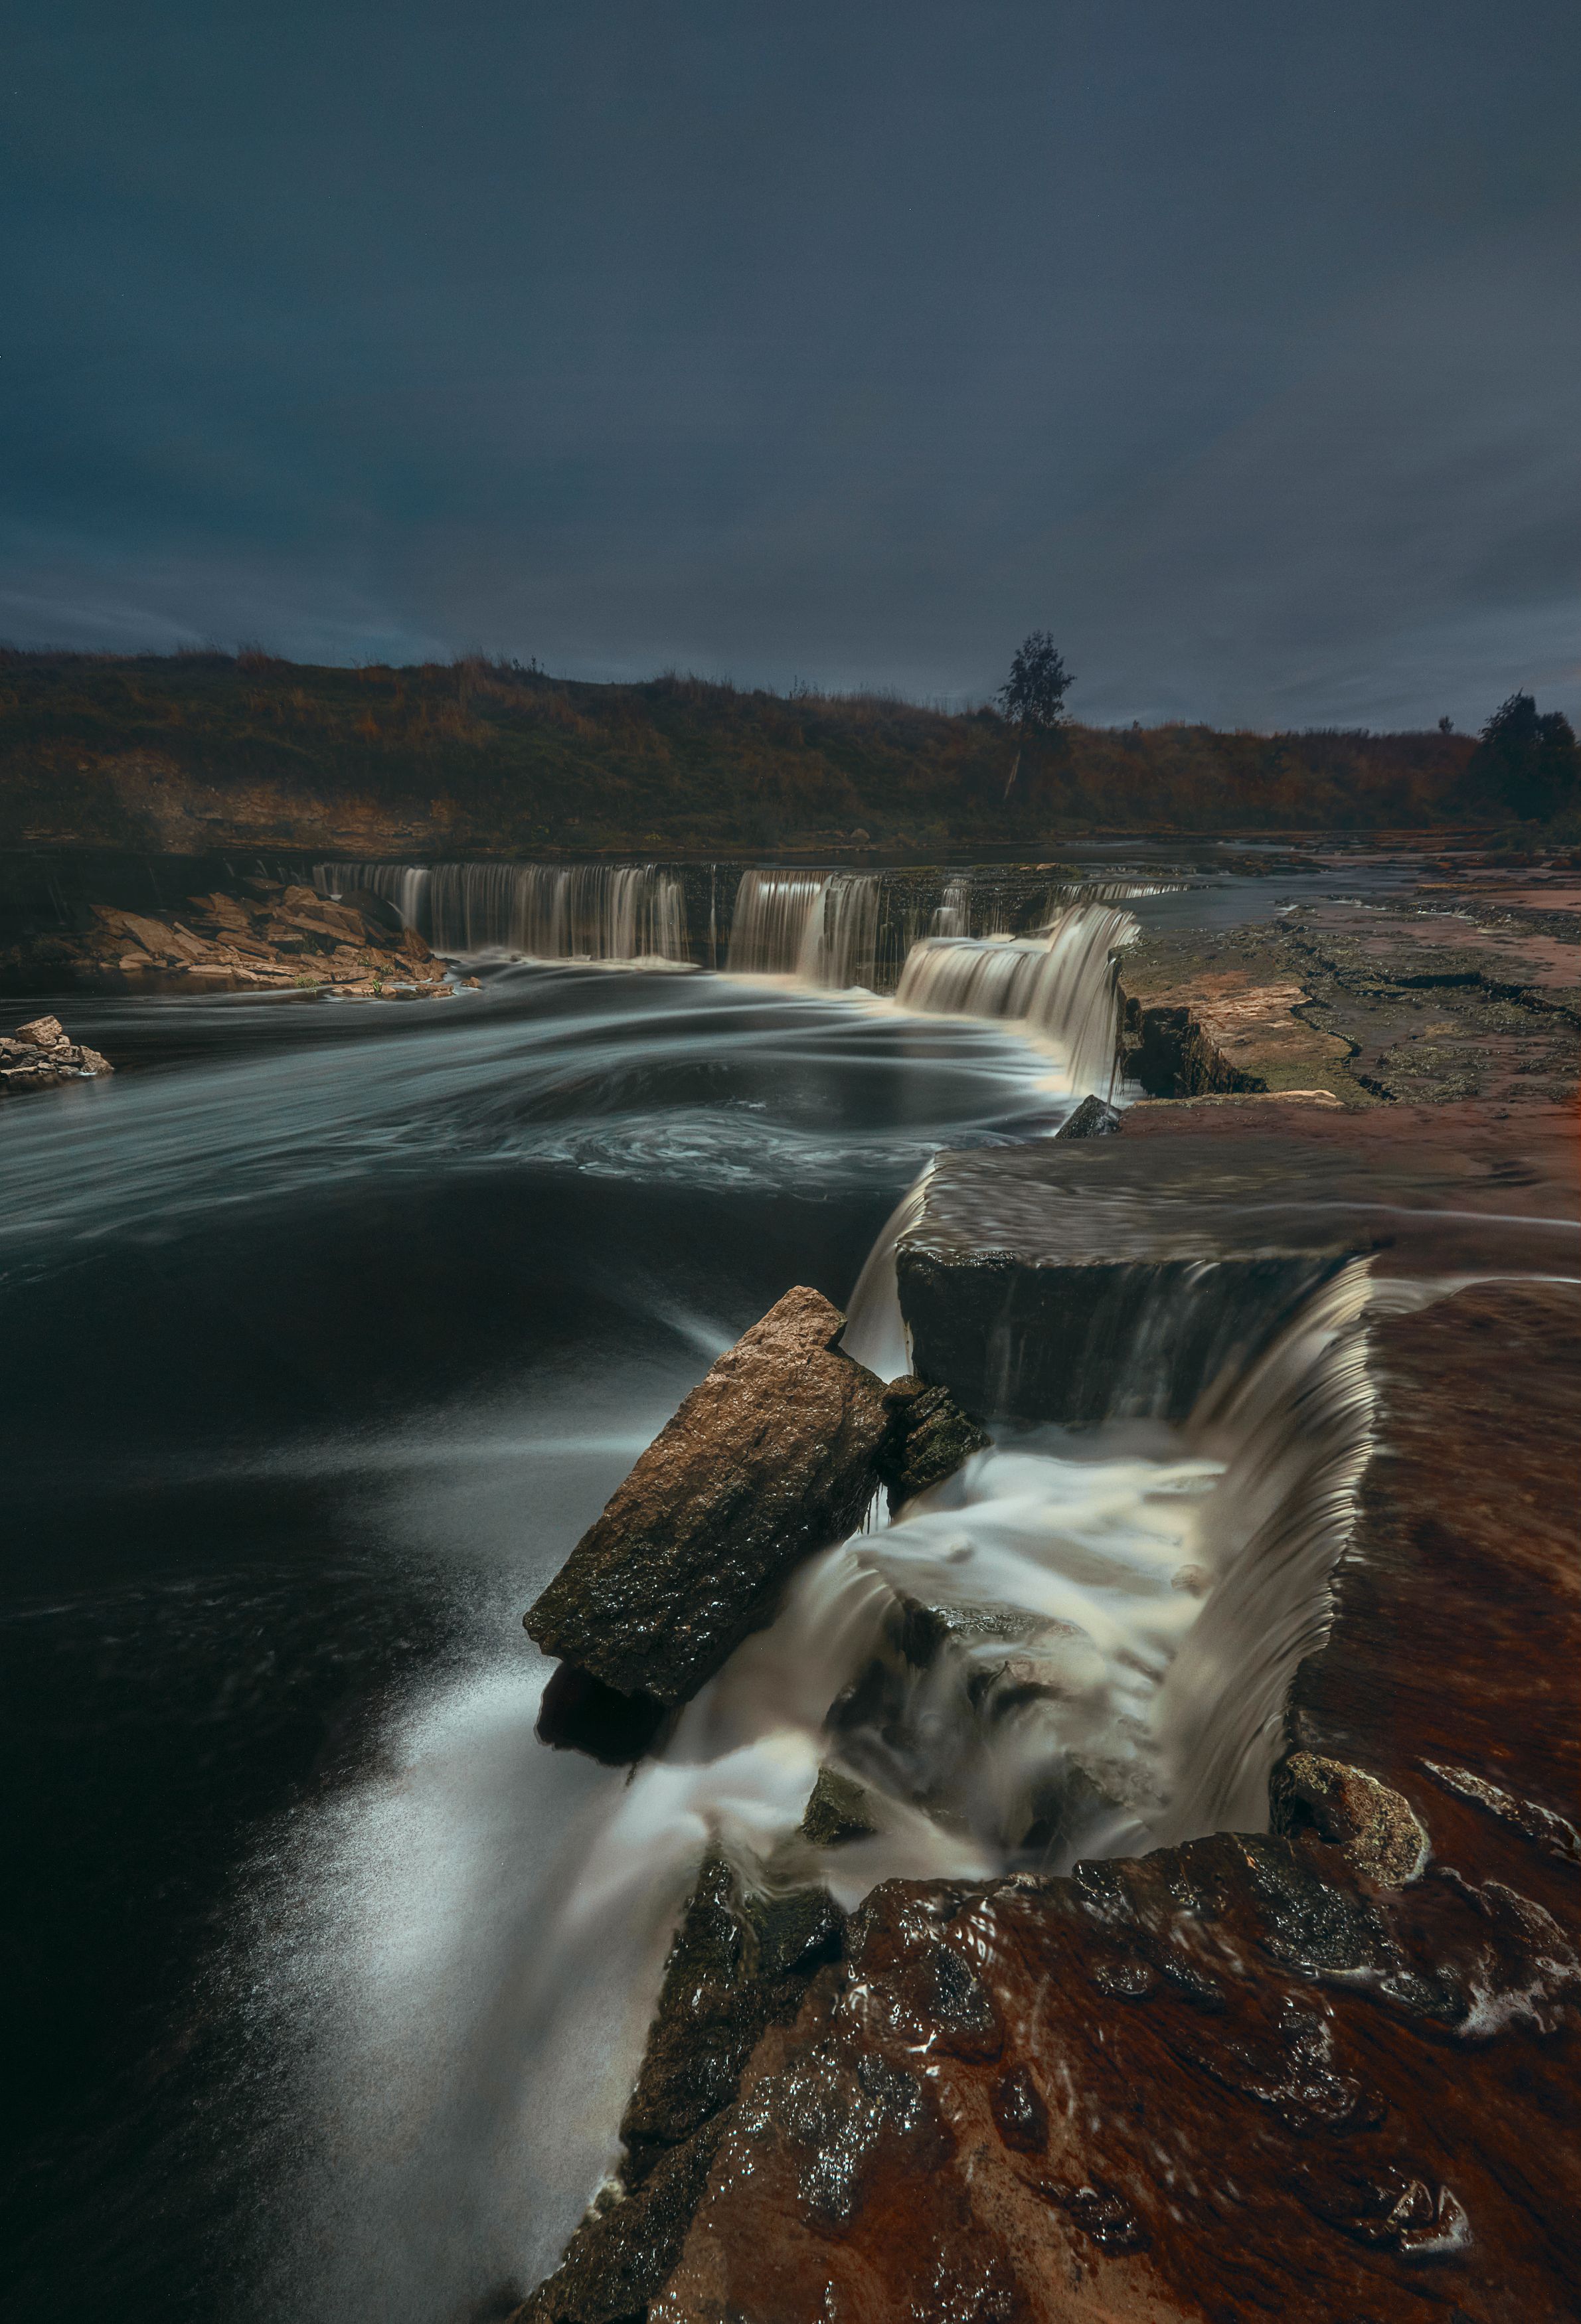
(326, 1330)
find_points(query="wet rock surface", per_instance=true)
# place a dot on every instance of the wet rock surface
(1093, 1117)
(738, 1965)
(1219, 2081)
(42, 1055)
(1035, 1274)
(930, 1437)
(1374, 1827)
(777, 1453)
(1293, 2073)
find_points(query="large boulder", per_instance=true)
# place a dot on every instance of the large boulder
(777, 1453)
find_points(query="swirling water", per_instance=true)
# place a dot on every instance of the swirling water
(325, 1330)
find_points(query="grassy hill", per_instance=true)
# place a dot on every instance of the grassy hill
(194, 751)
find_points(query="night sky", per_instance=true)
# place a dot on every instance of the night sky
(1237, 343)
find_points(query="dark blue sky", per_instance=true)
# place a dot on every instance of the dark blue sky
(1236, 341)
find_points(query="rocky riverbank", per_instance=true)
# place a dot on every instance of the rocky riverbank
(1467, 986)
(270, 934)
(1318, 2068)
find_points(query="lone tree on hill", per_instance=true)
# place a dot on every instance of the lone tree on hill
(1033, 695)
(1526, 765)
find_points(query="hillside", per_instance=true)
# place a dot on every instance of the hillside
(191, 752)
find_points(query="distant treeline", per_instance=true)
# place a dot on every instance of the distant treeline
(167, 751)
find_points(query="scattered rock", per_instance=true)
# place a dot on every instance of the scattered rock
(267, 935)
(40, 1053)
(1378, 1829)
(776, 1453)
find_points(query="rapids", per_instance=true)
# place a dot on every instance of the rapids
(326, 1330)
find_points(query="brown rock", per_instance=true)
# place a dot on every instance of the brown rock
(776, 1453)
(1378, 1829)
(739, 1964)
(836, 1810)
(153, 935)
(40, 1053)
(1246, 2075)
(931, 1436)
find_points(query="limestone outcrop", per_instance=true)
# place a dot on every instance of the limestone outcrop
(270, 934)
(1317, 2071)
(1079, 1281)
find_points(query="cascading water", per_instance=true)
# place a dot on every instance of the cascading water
(1077, 1647)
(1081, 1643)
(952, 915)
(1061, 985)
(820, 930)
(535, 911)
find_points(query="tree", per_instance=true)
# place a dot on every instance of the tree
(1033, 695)
(1527, 765)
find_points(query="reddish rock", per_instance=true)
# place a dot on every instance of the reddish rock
(1241, 2078)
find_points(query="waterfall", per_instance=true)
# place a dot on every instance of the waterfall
(540, 911)
(952, 918)
(1078, 1646)
(1061, 984)
(1111, 891)
(822, 930)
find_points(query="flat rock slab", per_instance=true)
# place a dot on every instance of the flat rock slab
(776, 1453)
(1036, 1273)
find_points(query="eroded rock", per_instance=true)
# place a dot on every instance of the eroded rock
(1378, 1830)
(739, 1964)
(776, 1453)
(40, 1053)
(929, 1438)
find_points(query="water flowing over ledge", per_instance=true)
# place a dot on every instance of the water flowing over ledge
(1062, 985)
(943, 945)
